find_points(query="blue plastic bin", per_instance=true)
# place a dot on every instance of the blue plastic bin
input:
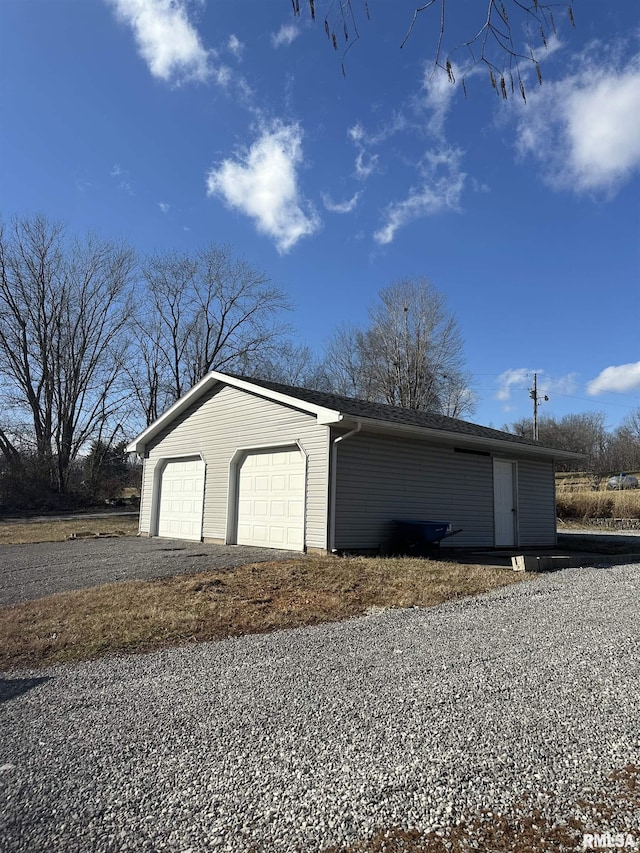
(419, 536)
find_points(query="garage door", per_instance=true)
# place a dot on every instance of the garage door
(181, 499)
(271, 499)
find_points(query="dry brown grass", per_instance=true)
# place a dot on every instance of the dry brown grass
(137, 616)
(584, 505)
(26, 532)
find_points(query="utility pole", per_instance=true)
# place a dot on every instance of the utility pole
(537, 399)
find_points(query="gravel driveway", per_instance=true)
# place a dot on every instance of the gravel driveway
(33, 571)
(299, 739)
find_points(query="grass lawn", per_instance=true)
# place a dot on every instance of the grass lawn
(27, 532)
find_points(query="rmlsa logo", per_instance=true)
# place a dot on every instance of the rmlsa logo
(608, 841)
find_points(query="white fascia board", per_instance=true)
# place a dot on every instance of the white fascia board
(324, 416)
(463, 439)
(139, 443)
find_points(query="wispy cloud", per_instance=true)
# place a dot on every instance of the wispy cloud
(436, 98)
(366, 164)
(520, 379)
(440, 179)
(440, 190)
(122, 179)
(235, 46)
(341, 206)
(516, 378)
(585, 128)
(164, 207)
(167, 40)
(262, 183)
(287, 34)
(621, 378)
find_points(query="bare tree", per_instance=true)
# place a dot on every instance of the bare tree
(64, 306)
(204, 312)
(495, 30)
(623, 448)
(410, 355)
(290, 365)
(344, 364)
(583, 433)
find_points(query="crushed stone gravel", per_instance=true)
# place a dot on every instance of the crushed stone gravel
(32, 571)
(301, 739)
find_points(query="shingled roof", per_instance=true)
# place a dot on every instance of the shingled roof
(337, 409)
(359, 409)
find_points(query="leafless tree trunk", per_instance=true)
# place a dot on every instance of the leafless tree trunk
(63, 311)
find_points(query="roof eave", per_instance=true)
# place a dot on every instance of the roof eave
(463, 439)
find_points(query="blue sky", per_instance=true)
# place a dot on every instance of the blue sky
(174, 124)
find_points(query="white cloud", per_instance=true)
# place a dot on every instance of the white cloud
(585, 129)
(510, 380)
(438, 97)
(621, 378)
(166, 39)
(164, 207)
(263, 183)
(122, 177)
(520, 379)
(438, 192)
(366, 164)
(235, 46)
(285, 35)
(342, 206)
(356, 133)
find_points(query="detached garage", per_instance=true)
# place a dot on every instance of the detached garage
(245, 461)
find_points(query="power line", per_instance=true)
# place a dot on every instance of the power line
(570, 396)
(515, 388)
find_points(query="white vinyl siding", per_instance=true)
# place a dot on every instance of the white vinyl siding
(536, 503)
(381, 478)
(224, 420)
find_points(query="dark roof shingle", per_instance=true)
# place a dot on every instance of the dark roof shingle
(390, 414)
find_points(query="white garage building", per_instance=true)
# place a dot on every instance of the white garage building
(244, 461)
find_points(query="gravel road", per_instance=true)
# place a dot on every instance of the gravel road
(33, 571)
(300, 739)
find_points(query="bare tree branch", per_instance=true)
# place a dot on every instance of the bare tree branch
(204, 312)
(493, 45)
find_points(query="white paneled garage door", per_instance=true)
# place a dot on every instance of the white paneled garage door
(181, 499)
(271, 499)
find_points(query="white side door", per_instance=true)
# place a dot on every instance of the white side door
(505, 502)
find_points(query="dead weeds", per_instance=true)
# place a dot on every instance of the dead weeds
(140, 616)
(29, 533)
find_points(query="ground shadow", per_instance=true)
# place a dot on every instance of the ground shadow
(11, 688)
(609, 542)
